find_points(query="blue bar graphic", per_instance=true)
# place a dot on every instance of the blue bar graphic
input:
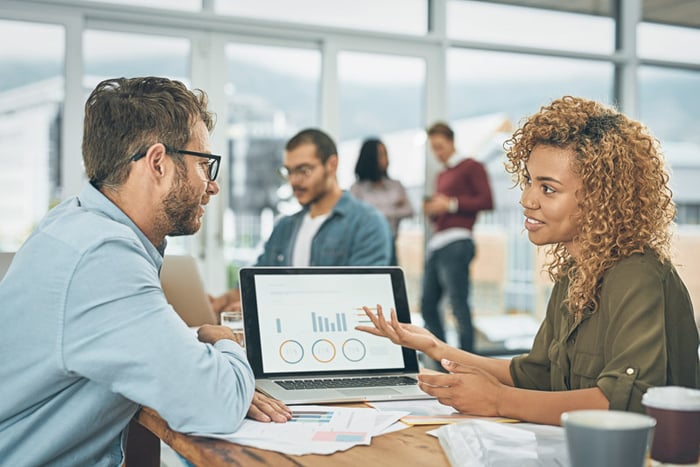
(326, 321)
(345, 324)
(313, 320)
(279, 325)
(320, 324)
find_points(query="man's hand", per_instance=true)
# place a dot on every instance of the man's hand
(209, 333)
(437, 204)
(267, 409)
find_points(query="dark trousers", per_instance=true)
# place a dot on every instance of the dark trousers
(447, 273)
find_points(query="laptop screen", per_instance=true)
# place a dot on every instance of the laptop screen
(302, 320)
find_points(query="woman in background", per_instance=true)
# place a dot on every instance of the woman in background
(373, 186)
(619, 319)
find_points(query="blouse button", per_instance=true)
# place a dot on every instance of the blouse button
(629, 371)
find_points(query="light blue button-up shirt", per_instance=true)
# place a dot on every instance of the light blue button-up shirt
(86, 337)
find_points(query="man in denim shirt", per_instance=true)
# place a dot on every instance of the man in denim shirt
(87, 337)
(332, 228)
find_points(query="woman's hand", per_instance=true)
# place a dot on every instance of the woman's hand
(406, 335)
(267, 409)
(470, 390)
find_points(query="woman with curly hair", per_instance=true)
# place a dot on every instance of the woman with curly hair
(619, 320)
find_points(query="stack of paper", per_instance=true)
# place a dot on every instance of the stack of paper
(315, 429)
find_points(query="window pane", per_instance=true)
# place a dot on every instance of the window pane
(272, 92)
(531, 27)
(398, 16)
(665, 42)
(481, 82)
(186, 5)
(669, 104)
(31, 99)
(382, 95)
(488, 95)
(112, 54)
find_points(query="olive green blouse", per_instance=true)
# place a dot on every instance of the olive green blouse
(642, 335)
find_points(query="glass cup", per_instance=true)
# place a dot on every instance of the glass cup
(677, 413)
(234, 320)
(607, 438)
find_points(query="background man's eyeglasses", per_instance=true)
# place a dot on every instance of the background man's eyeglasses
(302, 171)
(214, 160)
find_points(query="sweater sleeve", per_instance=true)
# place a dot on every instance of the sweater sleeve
(477, 196)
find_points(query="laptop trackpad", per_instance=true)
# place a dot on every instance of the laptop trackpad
(368, 391)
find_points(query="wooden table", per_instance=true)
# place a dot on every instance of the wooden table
(411, 446)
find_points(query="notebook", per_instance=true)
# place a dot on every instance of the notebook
(301, 339)
(184, 290)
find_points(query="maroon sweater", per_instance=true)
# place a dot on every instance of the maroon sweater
(469, 183)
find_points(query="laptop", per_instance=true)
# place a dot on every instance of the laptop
(184, 290)
(301, 339)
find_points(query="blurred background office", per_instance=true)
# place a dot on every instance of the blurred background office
(353, 68)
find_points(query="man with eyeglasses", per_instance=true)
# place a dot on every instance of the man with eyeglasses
(332, 229)
(87, 336)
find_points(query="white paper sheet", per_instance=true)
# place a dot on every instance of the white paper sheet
(314, 430)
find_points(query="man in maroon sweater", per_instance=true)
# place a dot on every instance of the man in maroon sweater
(462, 190)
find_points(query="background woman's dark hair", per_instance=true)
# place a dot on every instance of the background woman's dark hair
(367, 166)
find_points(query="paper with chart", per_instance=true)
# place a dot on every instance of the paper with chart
(313, 429)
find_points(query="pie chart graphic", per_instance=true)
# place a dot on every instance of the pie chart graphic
(291, 351)
(354, 350)
(323, 350)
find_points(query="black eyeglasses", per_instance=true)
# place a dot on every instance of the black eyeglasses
(214, 160)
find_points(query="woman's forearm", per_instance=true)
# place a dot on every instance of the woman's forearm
(547, 406)
(500, 368)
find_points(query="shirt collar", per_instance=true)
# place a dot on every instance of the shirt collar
(342, 206)
(92, 199)
(454, 160)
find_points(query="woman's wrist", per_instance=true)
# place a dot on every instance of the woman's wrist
(436, 350)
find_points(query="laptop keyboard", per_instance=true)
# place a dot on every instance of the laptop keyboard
(297, 384)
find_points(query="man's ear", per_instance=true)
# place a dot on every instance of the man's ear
(156, 160)
(332, 163)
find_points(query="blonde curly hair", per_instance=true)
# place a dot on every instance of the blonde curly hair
(625, 202)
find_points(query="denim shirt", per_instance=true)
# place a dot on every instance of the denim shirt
(87, 337)
(355, 234)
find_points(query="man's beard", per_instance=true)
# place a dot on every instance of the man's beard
(317, 191)
(181, 206)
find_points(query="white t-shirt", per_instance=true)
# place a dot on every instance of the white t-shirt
(301, 256)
